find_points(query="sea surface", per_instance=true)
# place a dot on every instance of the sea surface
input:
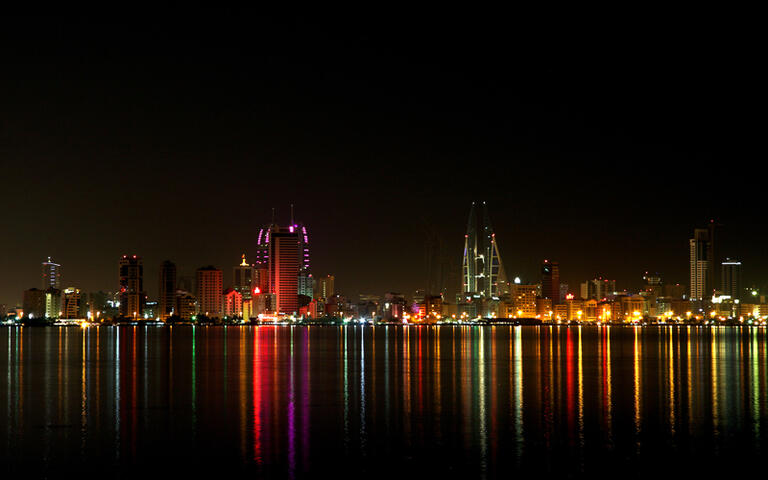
(383, 402)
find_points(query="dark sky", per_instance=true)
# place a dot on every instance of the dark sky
(598, 142)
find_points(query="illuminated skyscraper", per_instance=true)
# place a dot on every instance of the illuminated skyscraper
(482, 271)
(284, 269)
(51, 274)
(209, 289)
(166, 298)
(284, 252)
(131, 281)
(73, 303)
(245, 278)
(52, 302)
(701, 264)
(704, 263)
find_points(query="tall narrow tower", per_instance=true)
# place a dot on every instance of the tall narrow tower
(131, 284)
(51, 274)
(166, 297)
(482, 271)
(701, 264)
(550, 281)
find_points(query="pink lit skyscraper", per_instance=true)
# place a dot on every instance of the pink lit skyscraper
(283, 251)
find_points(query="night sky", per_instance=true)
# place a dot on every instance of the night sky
(598, 144)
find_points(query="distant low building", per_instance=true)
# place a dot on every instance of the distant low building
(544, 308)
(393, 307)
(524, 300)
(186, 306)
(233, 303)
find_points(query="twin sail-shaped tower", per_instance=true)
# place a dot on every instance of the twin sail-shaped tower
(482, 272)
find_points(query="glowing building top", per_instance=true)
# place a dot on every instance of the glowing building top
(51, 274)
(482, 271)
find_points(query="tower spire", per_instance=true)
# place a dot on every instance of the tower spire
(292, 214)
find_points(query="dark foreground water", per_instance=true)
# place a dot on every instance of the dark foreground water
(383, 402)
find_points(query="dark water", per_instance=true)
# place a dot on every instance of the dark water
(383, 402)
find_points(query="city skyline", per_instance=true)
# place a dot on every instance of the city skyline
(281, 276)
(175, 146)
(531, 275)
(468, 242)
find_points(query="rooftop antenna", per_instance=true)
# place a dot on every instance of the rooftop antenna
(291, 214)
(273, 215)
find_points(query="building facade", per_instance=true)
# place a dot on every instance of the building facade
(324, 287)
(730, 278)
(244, 278)
(700, 265)
(598, 289)
(51, 274)
(73, 304)
(209, 286)
(482, 271)
(232, 303)
(524, 300)
(284, 253)
(166, 298)
(131, 282)
(550, 281)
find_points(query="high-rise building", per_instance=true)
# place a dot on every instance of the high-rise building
(306, 285)
(730, 277)
(700, 264)
(324, 286)
(705, 263)
(131, 294)
(284, 251)
(52, 302)
(166, 298)
(550, 281)
(482, 271)
(74, 303)
(244, 276)
(209, 288)
(51, 274)
(284, 269)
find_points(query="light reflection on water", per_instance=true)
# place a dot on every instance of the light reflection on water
(409, 401)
